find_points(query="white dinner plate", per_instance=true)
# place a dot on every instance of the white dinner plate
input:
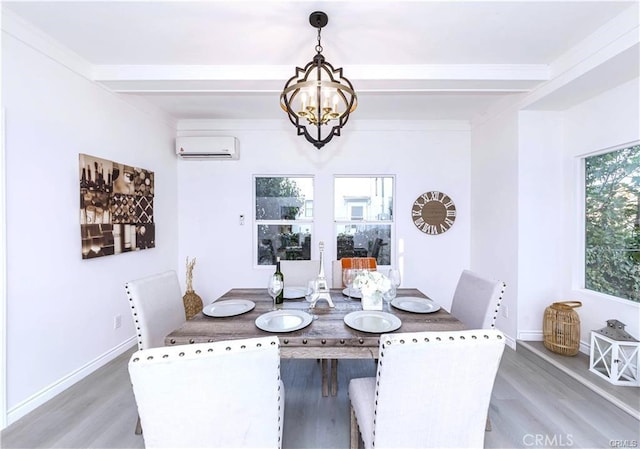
(415, 304)
(294, 292)
(372, 321)
(283, 320)
(355, 293)
(228, 307)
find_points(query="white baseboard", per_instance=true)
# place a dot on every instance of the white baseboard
(42, 396)
(511, 342)
(585, 347)
(530, 335)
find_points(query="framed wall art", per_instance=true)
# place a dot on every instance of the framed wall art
(116, 207)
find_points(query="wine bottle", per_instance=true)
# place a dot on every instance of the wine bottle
(280, 297)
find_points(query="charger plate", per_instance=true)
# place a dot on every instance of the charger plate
(355, 293)
(372, 321)
(230, 307)
(294, 292)
(283, 320)
(415, 304)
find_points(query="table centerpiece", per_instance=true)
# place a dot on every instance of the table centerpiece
(372, 285)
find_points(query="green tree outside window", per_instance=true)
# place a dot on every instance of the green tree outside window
(612, 223)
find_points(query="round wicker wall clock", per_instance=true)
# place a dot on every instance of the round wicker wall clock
(433, 213)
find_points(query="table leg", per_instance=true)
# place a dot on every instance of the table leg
(334, 377)
(325, 380)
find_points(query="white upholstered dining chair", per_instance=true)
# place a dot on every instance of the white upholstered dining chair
(476, 300)
(157, 309)
(225, 394)
(297, 273)
(476, 303)
(432, 390)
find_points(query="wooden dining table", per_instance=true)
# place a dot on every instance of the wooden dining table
(326, 337)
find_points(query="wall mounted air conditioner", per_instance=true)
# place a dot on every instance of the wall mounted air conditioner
(207, 147)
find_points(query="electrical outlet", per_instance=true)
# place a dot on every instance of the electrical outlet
(505, 311)
(117, 321)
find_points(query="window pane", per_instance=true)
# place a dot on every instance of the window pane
(612, 223)
(290, 242)
(357, 240)
(280, 198)
(368, 199)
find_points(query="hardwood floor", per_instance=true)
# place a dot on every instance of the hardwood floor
(534, 405)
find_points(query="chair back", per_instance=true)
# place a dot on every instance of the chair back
(297, 273)
(433, 388)
(476, 300)
(225, 394)
(363, 263)
(156, 306)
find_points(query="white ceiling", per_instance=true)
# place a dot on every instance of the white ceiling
(406, 59)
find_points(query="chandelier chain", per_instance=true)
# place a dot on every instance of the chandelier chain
(319, 46)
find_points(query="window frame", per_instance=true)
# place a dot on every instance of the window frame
(303, 220)
(579, 277)
(341, 222)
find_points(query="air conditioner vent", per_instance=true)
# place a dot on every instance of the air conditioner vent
(207, 147)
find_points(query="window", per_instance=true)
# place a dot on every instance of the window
(284, 218)
(612, 223)
(363, 211)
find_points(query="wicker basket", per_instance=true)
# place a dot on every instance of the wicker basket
(561, 327)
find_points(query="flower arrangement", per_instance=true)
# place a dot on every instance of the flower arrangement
(372, 283)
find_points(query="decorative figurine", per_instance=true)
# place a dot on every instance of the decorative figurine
(322, 290)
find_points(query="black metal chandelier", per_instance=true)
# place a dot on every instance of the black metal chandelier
(318, 99)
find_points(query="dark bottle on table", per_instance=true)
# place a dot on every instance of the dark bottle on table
(280, 297)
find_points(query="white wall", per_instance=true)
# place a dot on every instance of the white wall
(610, 119)
(422, 155)
(526, 201)
(61, 309)
(543, 263)
(494, 209)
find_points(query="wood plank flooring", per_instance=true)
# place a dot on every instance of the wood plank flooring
(625, 397)
(534, 405)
